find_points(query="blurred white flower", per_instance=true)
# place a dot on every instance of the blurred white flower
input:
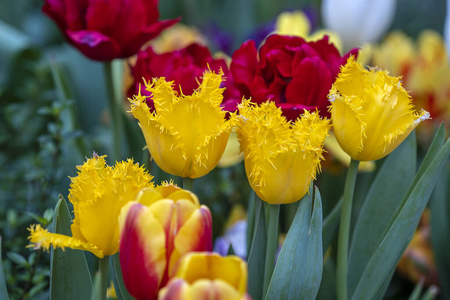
(358, 21)
(447, 29)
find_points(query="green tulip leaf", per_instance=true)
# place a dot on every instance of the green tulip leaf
(70, 277)
(298, 271)
(327, 288)
(440, 223)
(401, 228)
(382, 201)
(256, 258)
(3, 290)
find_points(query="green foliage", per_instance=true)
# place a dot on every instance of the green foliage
(256, 257)
(383, 199)
(382, 263)
(298, 271)
(69, 277)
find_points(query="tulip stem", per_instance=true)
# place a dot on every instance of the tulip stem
(188, 184)
(344, 231)
(103, 271)
(272, 244)
(114, 111)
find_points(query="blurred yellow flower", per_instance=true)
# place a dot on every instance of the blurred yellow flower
(281, 158)
(177, 37)
(232, 154)
(97, 193)
(186, 135)
(332, 146)
(395, 54)
(372, 113)
(203, 275)
(425, 71)
(296, 23)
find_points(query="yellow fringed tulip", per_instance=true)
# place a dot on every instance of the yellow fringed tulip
(186, 135)
(280, 158)
(372, 113)
(203, 275)
(97, 193)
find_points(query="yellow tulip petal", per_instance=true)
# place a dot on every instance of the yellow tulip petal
(232, 154)
(202, 265)
(281, 158)
(142, 252)
(97, 217)
(98, 193)
(213, 290)
(333, 147)
(186, 135)
(194, 235)
(41, 238)
(372, 113)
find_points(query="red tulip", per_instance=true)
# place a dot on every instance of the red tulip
(293, 73)
(105, 30)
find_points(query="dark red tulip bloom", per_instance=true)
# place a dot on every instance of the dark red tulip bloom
(184, 67)
(105, 30)
(293, 73)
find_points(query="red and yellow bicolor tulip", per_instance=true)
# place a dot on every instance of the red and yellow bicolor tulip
(372, 113)
(162, 225)
(281, 158)
(98, 194)
(185, 134)
(203, 275)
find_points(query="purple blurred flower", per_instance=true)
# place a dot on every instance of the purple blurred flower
(236, 236)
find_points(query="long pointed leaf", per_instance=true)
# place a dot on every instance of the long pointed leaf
(327, 288)
(382, 201)
(401, 229)
(3, 290)
(440, 224)
(298, 271)
(70, 277)
(256, 259)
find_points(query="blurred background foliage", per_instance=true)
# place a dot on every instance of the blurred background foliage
(53, 114)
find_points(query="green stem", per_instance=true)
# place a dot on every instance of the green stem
(272, 243)
(344, 231)
(114, 110)
(251, 220)
(188, 184)
(103, 270)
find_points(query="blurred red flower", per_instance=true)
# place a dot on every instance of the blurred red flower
(105, 30)
(185, 67)
(293, 73)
